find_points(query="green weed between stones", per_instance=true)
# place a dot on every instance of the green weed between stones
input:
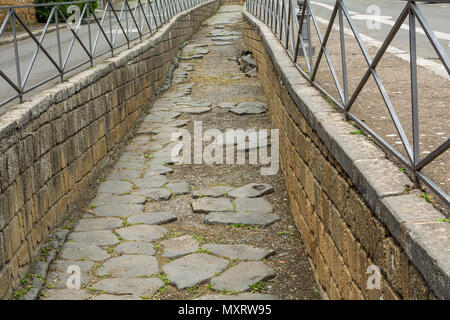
(244, 226)
(257, 286)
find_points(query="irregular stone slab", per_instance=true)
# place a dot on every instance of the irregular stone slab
(227, 105)
(118, 210)
(156, 194)
(58, 276)
(152, 218)
(66, 294)
(136, 287)
(194, 110)
(115, 187)
(253, 219)
(124, 174)
(205, 205)
(58, 279)
(197, 45)
(251, 190)
(223, 43)
(97, 224)
(259, 205)
(97, 237)
(166, 115)
(239, 277)
(145, 248)
(139, 165)
(215, 192)
(201, 104)
(129, 266)
(249, 108)
(76, 251)
(180, 246)
(225, 38)
(193, 269)
(109, 199)
(238, 251)
(146, 233)
(151, 182)
(116, 297)
(157, 170)
(179, 187)
(239, 296)
(62, 265)
(195, 56)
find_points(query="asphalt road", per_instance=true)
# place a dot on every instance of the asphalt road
(437, 15)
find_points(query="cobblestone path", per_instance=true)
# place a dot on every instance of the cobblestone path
(157, 229)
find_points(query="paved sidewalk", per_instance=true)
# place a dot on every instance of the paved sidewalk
(157, 229)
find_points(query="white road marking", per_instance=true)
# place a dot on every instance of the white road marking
(436, 68)
(386, 20)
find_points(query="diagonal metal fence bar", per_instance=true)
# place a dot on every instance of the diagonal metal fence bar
(114, 29)
(293, 30)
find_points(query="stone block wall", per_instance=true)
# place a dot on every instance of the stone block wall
(332, 203)
(53, 147)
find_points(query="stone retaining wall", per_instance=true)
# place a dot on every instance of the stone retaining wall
(54, 147)
(348, 200)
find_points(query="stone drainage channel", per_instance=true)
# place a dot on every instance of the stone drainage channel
(156, 229)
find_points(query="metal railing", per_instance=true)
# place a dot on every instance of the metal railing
(115, 28)
(288, 26)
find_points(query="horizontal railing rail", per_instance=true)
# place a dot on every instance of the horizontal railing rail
(115, 27)
(293, 28)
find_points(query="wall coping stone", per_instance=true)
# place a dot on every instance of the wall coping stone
(412, 221)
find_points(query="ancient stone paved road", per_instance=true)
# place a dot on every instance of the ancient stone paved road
(158, 230)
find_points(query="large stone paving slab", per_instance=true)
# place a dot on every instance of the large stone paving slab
(179, 187)
(151, 182)
(109, 199)
(251, 190)
(152, 218)
(238, 251)
(115, 187)
(193, 269)
(136, 287)
(156, 194)
(258, 205)
(125, 174)
(92, 224)
(249, 108)
(214, 192)
(145, 248)
(97, 237)
(157, 170)
(66, 294)
(146, 233)
(116, 297)
(239, 296)
(58, 276)
(77, 251)
(239, 278)
(253, 219)
(179, 246)
(129, 266)
(205, 205)
(118, 210)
